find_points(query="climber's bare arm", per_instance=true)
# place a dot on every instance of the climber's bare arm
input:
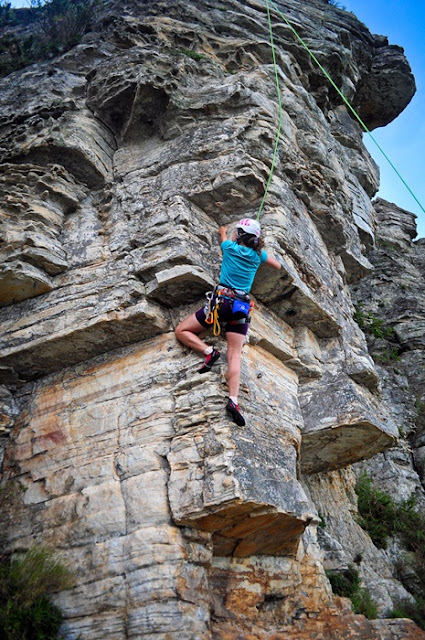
(223, 233)
(272, 262)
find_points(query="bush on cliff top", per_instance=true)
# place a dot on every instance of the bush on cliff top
(57, 25)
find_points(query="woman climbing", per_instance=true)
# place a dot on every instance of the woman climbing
(230, 301)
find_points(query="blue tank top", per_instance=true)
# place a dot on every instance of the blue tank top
(239, 265)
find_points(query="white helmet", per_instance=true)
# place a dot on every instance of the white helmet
(249, 225)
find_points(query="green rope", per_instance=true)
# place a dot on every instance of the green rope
(276, 144)
(339, 93)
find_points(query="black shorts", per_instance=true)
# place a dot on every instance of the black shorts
(224, 315)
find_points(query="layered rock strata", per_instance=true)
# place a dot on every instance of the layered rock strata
(119, 160)
(390, 300)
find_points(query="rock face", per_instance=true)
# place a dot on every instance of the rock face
(119, 160)
(394, 292)
(392, 295)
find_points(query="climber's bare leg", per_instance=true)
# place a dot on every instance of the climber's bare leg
(187, 333)
(234, 352)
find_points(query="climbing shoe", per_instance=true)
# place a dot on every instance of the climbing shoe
(209, 361)
(233, 410)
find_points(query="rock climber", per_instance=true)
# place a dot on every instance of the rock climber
(230, 302)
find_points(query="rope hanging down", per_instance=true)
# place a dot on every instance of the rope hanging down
(276, 144)
(354, 112)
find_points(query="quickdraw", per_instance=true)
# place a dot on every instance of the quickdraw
(214, 303)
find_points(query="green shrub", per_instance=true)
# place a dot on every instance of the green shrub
(62, 24)
(420, 406)
(192, 54)
(388, 355)
(26, 613)
(372, 324)
(7, 14)
(363, 604)
(40, 620)
(337, 4)
(387, 244)
(381, 516)
(378, 511)
(345, 583)
(414, 610)
(57, 25)
(322, 521)
(348, 585)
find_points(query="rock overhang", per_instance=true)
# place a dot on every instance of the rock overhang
(341, 445)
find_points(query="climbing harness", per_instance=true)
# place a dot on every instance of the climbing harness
(241, 306)
(269, 3)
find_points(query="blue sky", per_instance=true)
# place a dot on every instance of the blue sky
(402, 140)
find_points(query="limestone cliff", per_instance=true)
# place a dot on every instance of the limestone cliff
(119, 160)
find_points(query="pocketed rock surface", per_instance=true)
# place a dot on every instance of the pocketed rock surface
(119, 160)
